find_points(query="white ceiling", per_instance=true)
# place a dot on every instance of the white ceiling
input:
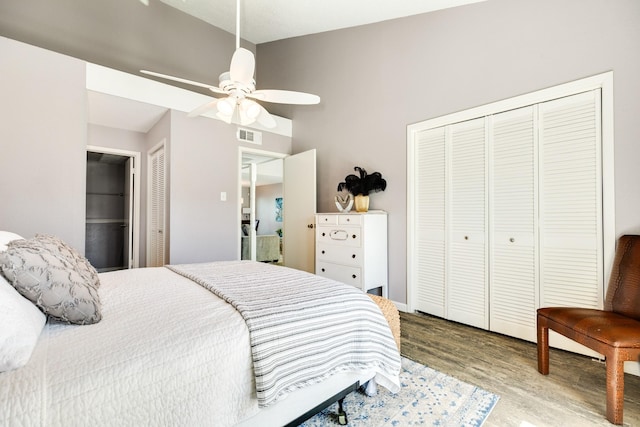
(268, 20)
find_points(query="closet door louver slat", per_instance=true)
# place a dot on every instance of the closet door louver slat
(513, 269)
(430, 221)
(157, 239)
(571, 202)
(467, 297)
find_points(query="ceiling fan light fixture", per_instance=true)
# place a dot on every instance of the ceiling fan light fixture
(239, 83)
(226, 106)
(250, 108)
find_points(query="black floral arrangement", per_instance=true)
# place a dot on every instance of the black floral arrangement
(363, 184)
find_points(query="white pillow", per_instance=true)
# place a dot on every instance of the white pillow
(21, 323)
(6, 237)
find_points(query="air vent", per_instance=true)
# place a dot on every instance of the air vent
(250, 136)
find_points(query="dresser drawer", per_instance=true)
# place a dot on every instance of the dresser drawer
(345, 236)
(349, 255)
(327, 219)
(349, 219)
(341, 273)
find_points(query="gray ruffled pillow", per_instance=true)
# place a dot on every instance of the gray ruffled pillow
(82, 265)
(51, 282)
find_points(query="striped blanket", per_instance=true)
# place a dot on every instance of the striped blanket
(303, 328)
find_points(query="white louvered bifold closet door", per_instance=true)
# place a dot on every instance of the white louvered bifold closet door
(571, 272)
(430, 220)
(513, 208)
(156, 250)
(467, 293)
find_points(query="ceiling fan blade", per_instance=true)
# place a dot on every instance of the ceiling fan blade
(243, 64)
(265, 119)
(181, 80)
(215, 89)
(203, 108)
(285, 97)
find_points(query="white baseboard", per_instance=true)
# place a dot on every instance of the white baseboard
(400, 306)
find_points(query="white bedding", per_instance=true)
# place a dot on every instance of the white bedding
(303, 328)
(158, 357)
(167, 352)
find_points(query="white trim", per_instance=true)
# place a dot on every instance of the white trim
(602, 81)
(400, 306)
(608, 176)
(135, 155)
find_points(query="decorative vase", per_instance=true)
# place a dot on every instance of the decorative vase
(362, 203)
(344, 204)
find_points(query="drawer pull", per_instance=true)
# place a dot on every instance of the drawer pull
(353, 275)
(323, 234)
(323, 270)
(353, 256)
(512, 240)
(354, 236)
(466, 237)
(322, 251)
(339, 235)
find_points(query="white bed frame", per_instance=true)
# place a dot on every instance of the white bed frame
(304, 403)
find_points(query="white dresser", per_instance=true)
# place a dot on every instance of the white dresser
(352, 248)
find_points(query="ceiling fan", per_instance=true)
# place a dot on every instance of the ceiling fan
(239, 87)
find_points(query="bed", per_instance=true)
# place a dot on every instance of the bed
(170, 348)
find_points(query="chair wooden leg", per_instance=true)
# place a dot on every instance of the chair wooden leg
(615, 387)
(543, 347)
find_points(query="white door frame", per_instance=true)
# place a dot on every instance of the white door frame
(265, 153)
(135, 155)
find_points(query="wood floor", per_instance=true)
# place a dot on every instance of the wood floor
(572, 395)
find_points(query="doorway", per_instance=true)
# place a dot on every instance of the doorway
(296, 207)
(261, 222)
(111, 224)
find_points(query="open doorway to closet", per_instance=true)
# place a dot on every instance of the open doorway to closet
(112, 209)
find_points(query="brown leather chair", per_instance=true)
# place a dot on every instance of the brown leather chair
(613, 332)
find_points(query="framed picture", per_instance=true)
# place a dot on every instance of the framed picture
(278, 209)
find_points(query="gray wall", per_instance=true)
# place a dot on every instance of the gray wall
(43, 161)
(374, 80)
(202, 227)
(43, 136)
(266, 208)
(123, 34)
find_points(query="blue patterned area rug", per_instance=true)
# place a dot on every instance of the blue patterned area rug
(426, 398)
